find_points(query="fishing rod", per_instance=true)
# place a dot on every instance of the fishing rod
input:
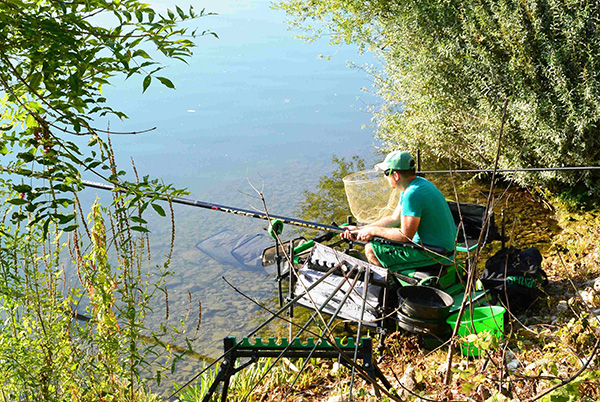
(272, 218)
(263, 215)
(515, 170)
(232, 210)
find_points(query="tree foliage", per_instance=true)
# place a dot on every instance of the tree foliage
(91, 341)
(55, 58)
(449, 65)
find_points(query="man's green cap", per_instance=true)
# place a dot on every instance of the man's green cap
(397, 160)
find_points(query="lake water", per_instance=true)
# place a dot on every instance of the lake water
(255, 105)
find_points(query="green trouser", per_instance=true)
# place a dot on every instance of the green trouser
(400, 258)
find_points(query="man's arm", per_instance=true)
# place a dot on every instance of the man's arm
(390, 221)
(405, 233)
(387, 227)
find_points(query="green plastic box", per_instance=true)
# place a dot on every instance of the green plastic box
(485, 318)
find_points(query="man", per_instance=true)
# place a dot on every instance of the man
(422, 217)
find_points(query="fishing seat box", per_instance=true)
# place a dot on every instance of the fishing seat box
(347, 302)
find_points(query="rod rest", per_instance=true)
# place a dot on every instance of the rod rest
(297, 349)
(296, 343)
(345, 269)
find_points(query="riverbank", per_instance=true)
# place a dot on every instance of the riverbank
(553, 342)
(549, 343)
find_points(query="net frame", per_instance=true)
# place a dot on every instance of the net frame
(369, 195)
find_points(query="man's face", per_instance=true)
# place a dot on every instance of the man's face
(392, 178)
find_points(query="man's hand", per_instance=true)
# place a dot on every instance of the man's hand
(410, 224)
(349, 233)
(364, 234)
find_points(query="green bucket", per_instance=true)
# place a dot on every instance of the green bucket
(485, 318)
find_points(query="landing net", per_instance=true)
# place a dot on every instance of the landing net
(369, 195)
(239, 250)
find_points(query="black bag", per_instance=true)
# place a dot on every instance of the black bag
(515, 276)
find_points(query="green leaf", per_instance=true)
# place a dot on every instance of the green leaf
(17, 217)
(16, 3)
(159, 210)
(70, 228)
(30, 121)
(63, 187)
(17, 201)
(180, 12)
(22, 188)
(62, 219)
(142, 53)
(140, 229)
(25, 156)
(166, 82)
(34, 81)
(65, 202)
(45, 228)
(146, 83)
(137, 219)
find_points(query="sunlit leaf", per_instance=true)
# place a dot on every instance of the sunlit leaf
(16, 3)
(159, 210)
(30, 121)
(142, 53)
(166, 82)
(146, 83)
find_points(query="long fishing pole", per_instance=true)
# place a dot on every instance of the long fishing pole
(232, 210)
(263, 215)
(515, 170)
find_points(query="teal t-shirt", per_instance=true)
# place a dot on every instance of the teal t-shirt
(423, 199)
